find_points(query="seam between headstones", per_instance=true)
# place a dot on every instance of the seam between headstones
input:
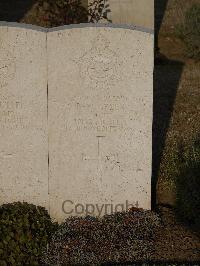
(47, 93)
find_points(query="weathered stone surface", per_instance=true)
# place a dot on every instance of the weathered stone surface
(100, 83)
(23, 115)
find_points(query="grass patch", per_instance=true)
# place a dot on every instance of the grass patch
(189, 31)
(188, 184)
(180, 176)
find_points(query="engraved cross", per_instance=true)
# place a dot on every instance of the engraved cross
(98, 158)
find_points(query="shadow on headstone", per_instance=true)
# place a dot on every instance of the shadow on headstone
(167, 75)
(14, 10)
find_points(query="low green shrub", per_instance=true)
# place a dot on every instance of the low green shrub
(25, 230)
(189, 31)
(64, 12)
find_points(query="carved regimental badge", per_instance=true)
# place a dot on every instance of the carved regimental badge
(99, 64)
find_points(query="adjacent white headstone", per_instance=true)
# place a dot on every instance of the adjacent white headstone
(23, 116)
(100, 82)
(132, 12)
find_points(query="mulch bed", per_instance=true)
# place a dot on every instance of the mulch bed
(134, 236)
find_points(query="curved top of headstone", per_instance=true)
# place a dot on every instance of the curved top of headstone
(76, 26)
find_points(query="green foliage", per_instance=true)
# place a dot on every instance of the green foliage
(97, 10)
(188, 183)
(25, 230)
(64, 12)
(189, 31)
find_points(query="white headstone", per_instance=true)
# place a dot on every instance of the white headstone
(132, 12)
(76, 118)
(23, 116)
(100, 82)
